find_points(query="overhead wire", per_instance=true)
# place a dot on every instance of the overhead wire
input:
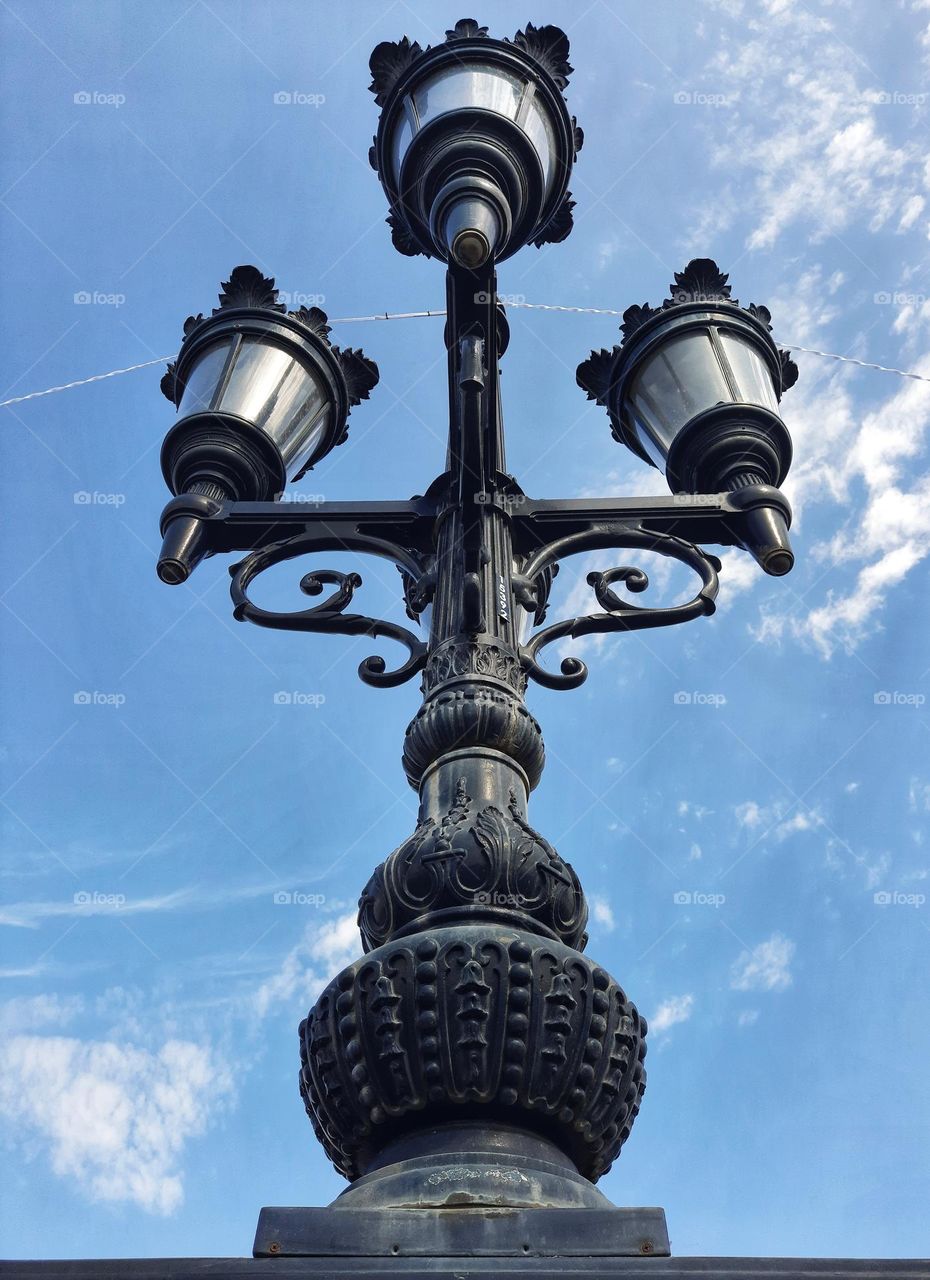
(429, 315)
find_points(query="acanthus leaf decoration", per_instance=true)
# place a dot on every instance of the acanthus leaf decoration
(635, 316)
(169, 385)
(549, 46)
(169, 382)
(761, 313)
(388, 62)
(594, 375)
(559, 225)
(400, 237)
(465, 29)
(361, 374)
(701, 281)
(315, 320)
(247, 287)
(577, 136)
(789, 370)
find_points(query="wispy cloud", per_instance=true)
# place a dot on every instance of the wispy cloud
(115, 1118)
(767, 967)
(670, 1012)
(323, 950)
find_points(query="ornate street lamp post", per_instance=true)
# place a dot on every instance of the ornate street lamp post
(475, 1058)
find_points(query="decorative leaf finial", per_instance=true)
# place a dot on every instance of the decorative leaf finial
(388, 62)
(465, 29)
(594, 375)
(789, 370)
(762, 314)
(634, 316)
(361, 374)
(701, 281)
(550, 47)
(247, 287)
(169, 383)
(314, 319)
(402, 239)
(559, 225)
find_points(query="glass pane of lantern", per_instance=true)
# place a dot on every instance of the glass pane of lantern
(753, 376)
(679, 380)
(467, 85)
(290, 403)
(403, 136)
(538, 128)
(203, 380)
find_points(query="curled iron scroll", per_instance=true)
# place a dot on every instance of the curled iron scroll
(619, 614)
(329, 616)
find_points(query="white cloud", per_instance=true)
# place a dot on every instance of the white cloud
(749, 814)
(601, 912)
(818, 156)
(674, 1010)
(802, 820)
(322, 952)
(747, 1018)
(29, 1013)
(114, 1117)
(766, 967)
(694, 853)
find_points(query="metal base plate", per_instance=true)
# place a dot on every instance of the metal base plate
(461, 1233)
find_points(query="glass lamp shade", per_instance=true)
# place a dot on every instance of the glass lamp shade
(685, 376)
(267, 386)
(261, 397)
(476, 87)
(695, 391)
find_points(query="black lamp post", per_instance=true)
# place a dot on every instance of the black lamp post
(474, 1059)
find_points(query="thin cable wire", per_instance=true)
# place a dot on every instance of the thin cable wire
(82, 382)
(429, 315)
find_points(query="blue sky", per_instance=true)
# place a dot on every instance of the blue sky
(732, 845)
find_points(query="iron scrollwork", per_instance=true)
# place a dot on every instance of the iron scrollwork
(330, 615)
(619, 614)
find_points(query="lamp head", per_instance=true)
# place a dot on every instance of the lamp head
(695, 388)
(262, 396)
(475, 144)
